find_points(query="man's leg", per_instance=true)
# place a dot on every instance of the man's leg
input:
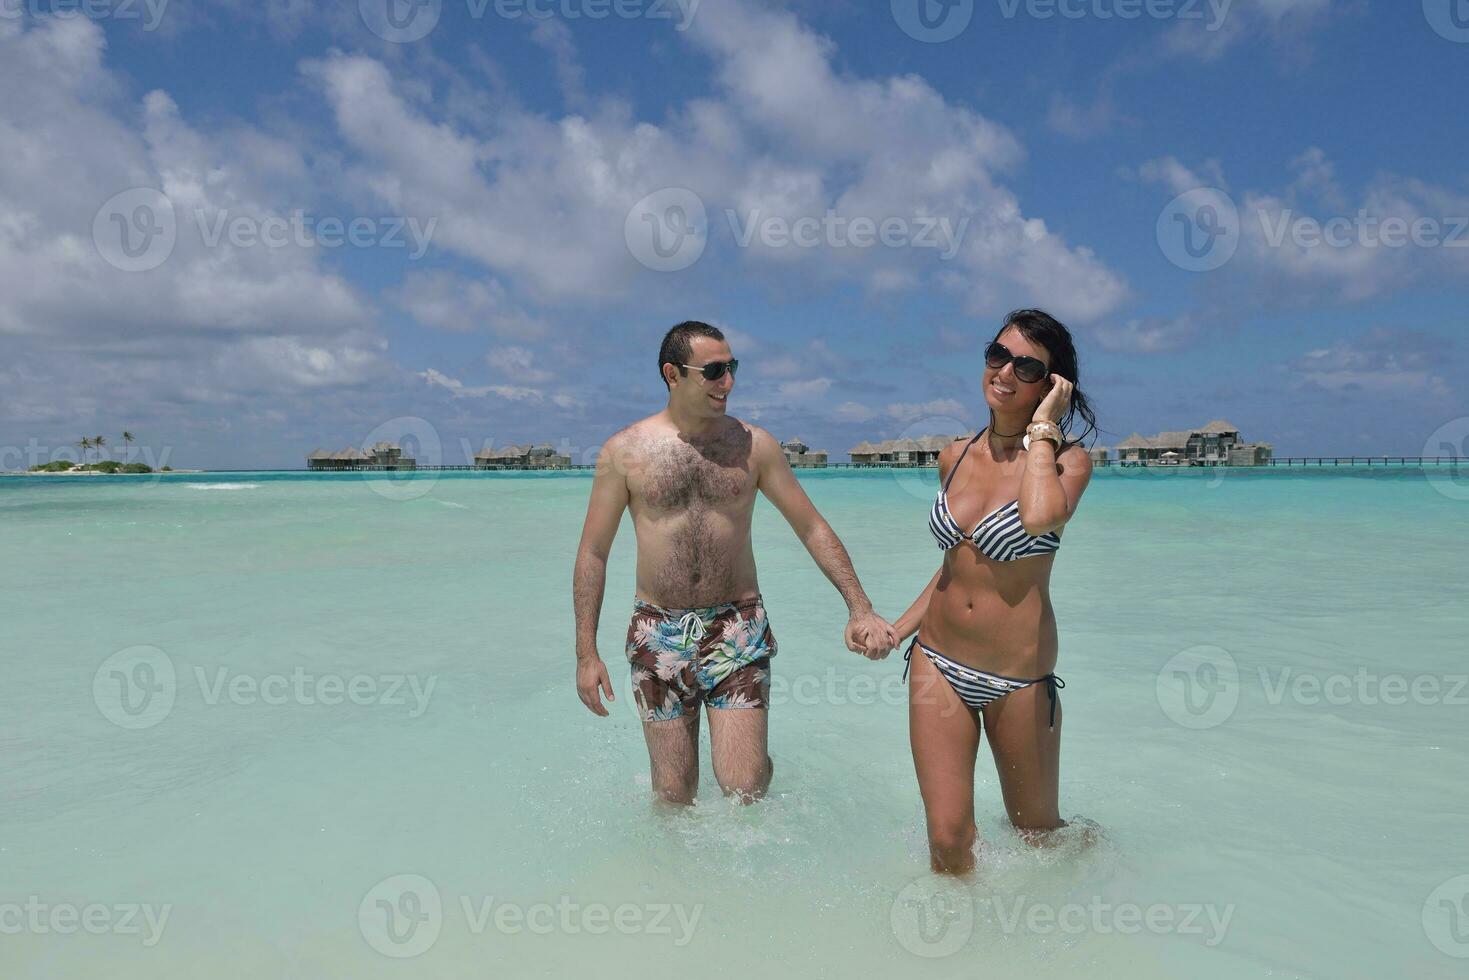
(737, 742)
(739, 715)
(673, 754)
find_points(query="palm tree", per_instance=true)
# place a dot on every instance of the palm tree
(84, 444)
(127, 437)
(99, 442)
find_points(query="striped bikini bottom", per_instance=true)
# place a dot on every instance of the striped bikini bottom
(978, 688)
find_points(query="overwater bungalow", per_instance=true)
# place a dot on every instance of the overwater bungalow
(920, 451)
(802, 456)
(1215, 444)
(527, 457)
(384, 455)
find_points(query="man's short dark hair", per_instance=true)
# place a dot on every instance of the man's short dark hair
(678, 345)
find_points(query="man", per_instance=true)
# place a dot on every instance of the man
(699, 633)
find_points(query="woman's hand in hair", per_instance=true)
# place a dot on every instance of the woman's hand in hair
(1054, 406)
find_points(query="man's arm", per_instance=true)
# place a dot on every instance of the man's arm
(604, 514)
(866, 633)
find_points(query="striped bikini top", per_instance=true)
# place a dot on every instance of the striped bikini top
(999, 536)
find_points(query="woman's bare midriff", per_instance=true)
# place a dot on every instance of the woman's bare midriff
(994, 616)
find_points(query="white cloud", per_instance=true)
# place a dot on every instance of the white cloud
(543, 202)
(854, 412)
(517, 363)
(947, 408)
(449, 302)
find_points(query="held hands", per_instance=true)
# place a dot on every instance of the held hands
(591, 681)
(1054, 406)
(870, 635)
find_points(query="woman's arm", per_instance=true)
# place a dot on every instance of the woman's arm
(907, 623)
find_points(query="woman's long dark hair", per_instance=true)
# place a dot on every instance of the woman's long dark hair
(1041, 328)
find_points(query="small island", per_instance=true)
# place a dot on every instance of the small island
(102, 467)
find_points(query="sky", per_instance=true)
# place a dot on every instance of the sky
(245, 229)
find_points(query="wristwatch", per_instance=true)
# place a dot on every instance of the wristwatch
(1042, 430)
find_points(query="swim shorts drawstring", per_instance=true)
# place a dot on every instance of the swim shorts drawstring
(693, 627)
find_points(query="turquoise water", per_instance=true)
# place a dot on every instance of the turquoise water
(178, 801)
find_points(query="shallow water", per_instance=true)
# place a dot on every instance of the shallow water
(1234, 644)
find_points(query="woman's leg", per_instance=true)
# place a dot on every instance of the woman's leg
(1027, 755)
(944, 732)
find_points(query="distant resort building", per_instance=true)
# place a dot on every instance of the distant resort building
(922, 451)
(1216, 444)
(526, 457)
(800, 455)
(384, 455)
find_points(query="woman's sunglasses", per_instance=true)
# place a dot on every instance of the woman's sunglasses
(1027, 369)
(714, 370)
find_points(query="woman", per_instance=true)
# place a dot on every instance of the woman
(985, 648)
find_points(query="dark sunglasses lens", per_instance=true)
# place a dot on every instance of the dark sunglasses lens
(714, 370)
(995, 355)
(1029, 369)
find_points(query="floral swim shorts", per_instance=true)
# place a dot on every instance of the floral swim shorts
(715, 655)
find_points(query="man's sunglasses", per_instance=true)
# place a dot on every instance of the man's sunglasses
(1027, 369)
(714, 370)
